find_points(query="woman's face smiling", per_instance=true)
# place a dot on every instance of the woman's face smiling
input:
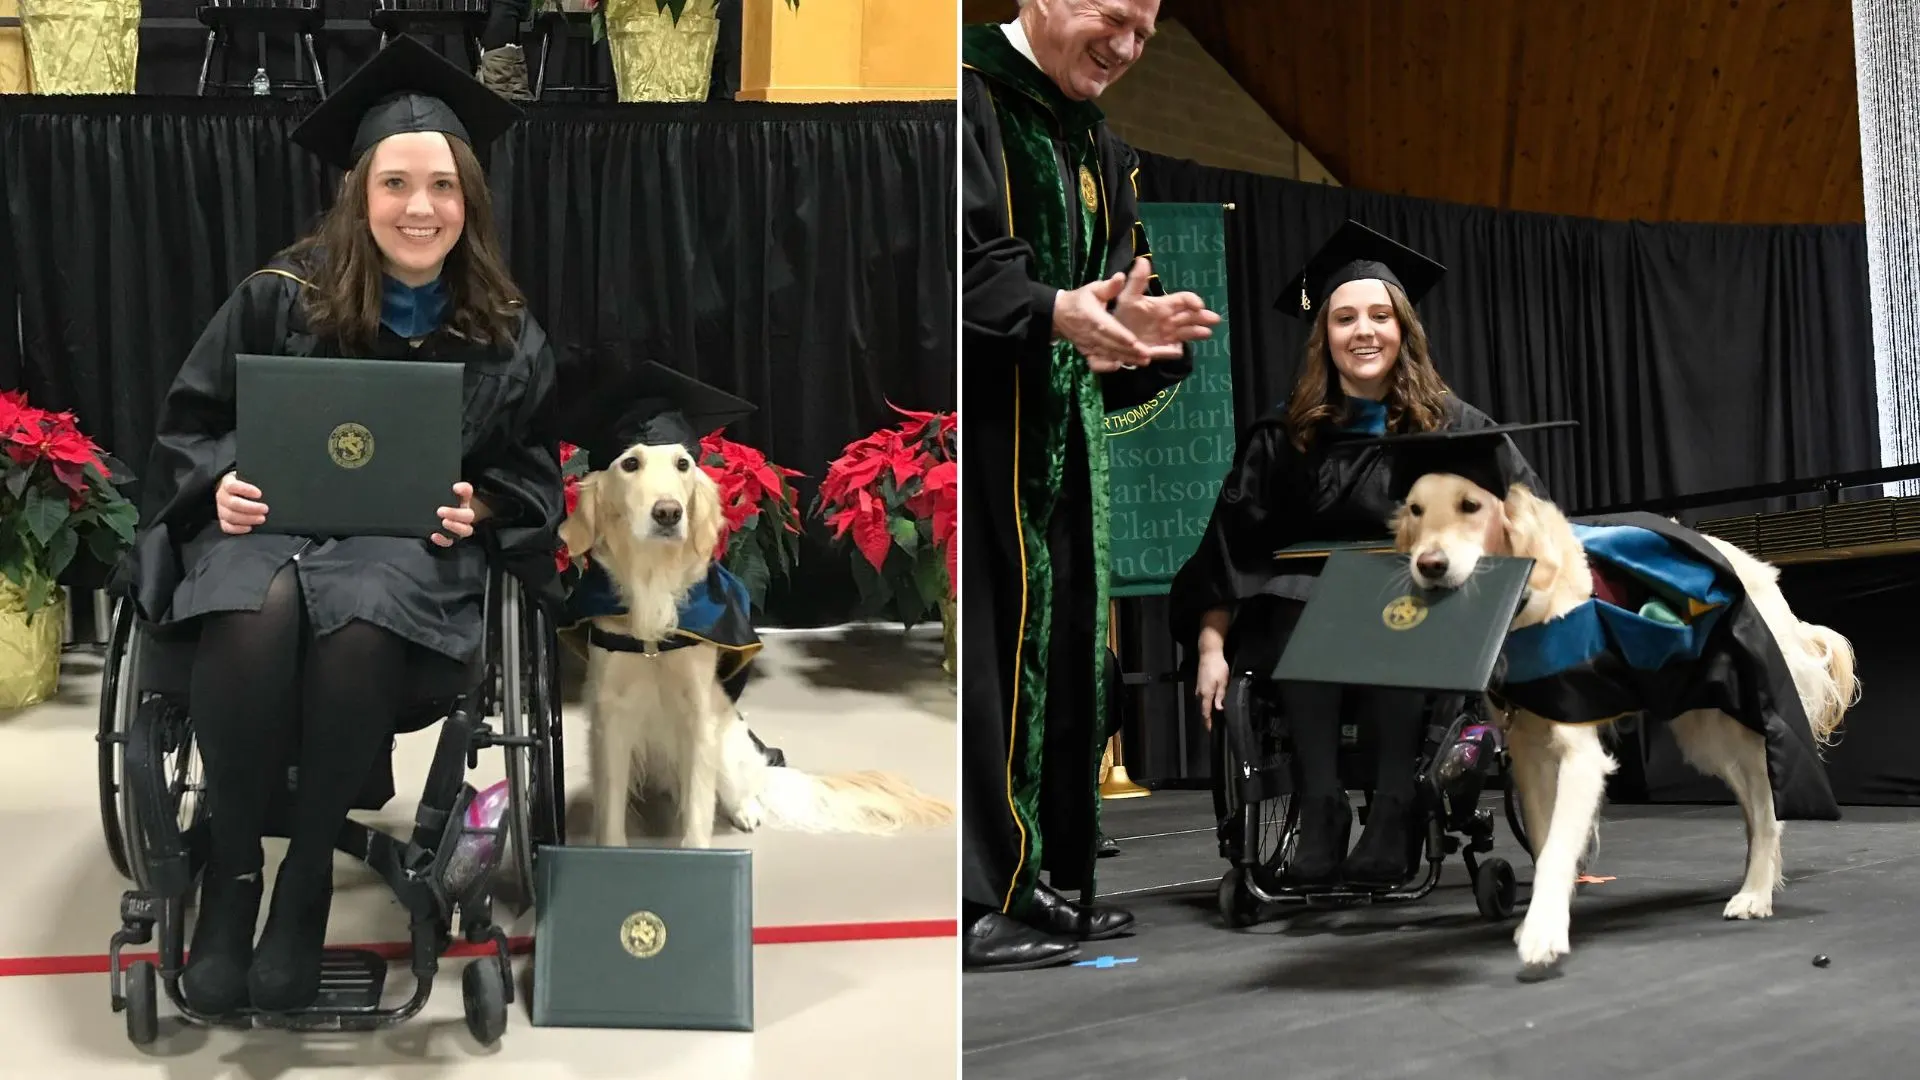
(415, 206)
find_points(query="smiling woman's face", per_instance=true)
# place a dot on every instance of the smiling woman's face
(415, 206)
(1363, 334)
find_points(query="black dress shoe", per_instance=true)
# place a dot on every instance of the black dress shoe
(1326, 821)
(1052, 913)
(1107, 848)
(215, 982)
(1389, 848)
(285, 975)
(996, 942)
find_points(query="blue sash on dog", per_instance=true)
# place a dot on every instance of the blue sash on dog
(716, 611)
(1670, 629)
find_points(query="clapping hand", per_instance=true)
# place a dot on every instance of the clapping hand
(1162, 323)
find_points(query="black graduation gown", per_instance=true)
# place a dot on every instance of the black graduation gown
(1031, 710)
(1275, 496)
(185, 567)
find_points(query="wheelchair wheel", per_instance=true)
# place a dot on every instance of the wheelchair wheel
(117, 679)
(163, 803)
(1253, 792)
(483, 993)
(143, 1004)
(1494, 889)
(1237, 904)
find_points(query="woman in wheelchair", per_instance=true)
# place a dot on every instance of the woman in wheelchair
(304, 642)
(1367, 371)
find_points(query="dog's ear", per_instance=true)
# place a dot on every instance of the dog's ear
(577, 529)
(1528, 537)
(703, 512)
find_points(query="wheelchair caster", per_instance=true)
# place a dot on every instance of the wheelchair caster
(1494, 889)
(143, 1005)
(1237, 904)
(483, 990)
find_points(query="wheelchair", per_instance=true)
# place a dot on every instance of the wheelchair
(1258, 821)
(155, 817)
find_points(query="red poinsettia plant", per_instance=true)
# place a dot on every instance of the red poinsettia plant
(895, 493)
(760, 510)
(56, 493)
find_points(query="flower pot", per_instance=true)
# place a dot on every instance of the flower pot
(29, 648)
(656, 59)
(81, 46)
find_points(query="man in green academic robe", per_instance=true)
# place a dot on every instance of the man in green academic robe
(1063, 322)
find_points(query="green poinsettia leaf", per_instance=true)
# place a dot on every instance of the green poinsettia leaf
(122, 517)
(930, 577)
(105, 545)
(905, 535)
(60, 551)
(17, 482)
(752, 572)
(874, 592)
(43, 515)
(39, 592)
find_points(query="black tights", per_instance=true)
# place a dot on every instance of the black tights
(266, 695)
(261, 688)
(1313, 720)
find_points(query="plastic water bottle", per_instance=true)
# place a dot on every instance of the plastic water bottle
(262, 86)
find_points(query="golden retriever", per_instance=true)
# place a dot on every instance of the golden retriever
(1560, 770)
(661, 720)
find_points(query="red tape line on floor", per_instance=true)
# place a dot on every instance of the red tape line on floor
(393, 950)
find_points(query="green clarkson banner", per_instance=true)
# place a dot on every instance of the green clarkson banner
(1169, 455)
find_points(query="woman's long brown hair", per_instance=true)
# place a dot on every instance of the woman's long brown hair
(342, 265)
(1415, 400)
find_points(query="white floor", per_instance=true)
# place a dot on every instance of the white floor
(842, 1010)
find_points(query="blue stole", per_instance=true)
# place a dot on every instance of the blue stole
(412, 312)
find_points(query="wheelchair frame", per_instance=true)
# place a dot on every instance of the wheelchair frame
(156, 839)
(1244, 782)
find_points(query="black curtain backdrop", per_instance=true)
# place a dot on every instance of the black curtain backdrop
(1695, 357)
(801, 256)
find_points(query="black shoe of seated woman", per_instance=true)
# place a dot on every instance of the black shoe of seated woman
(1389, 847)
(215, 982)
(1326, 822)
(285, 975)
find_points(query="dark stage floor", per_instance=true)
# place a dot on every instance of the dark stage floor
(1658, 987)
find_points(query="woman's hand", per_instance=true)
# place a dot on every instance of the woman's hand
(236, 503)
(458, 521)
(1210, 684)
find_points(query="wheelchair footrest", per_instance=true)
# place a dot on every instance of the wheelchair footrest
(351, 982)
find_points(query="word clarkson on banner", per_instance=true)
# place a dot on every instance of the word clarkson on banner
(1168, 456)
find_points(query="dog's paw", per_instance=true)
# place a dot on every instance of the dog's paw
(1749, 905)
(748, 816)
(1542, 940)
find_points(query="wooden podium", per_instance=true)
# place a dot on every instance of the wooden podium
(849, 50)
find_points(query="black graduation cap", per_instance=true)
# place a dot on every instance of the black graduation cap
(406, 87)
(1481, 455)
(659, 406)
(1355, 253)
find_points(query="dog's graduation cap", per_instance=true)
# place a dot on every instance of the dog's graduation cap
(1483, 456)
(406, 87)
(658, 406)
(1357, 253)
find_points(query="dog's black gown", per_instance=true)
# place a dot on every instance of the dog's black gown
(1273, 497)
(1670, 629)
(305, 644)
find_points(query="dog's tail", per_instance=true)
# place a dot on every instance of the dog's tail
(1840, 690)
(865, 802)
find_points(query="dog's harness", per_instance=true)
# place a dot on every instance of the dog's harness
(612, 642)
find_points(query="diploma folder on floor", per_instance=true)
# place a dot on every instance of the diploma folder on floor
(344, 447)
(1368, 624)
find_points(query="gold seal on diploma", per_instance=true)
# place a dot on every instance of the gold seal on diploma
(643, 935)
(350, 446)
(1404, 613)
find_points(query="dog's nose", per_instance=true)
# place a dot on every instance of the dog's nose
(666, 514)
(1433, 564)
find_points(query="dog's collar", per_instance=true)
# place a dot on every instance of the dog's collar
(612, 642)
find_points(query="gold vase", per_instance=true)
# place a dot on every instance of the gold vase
(657, 59)
(81, 46)
(29, 647)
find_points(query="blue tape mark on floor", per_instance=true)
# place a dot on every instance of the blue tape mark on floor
(1106, 962)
